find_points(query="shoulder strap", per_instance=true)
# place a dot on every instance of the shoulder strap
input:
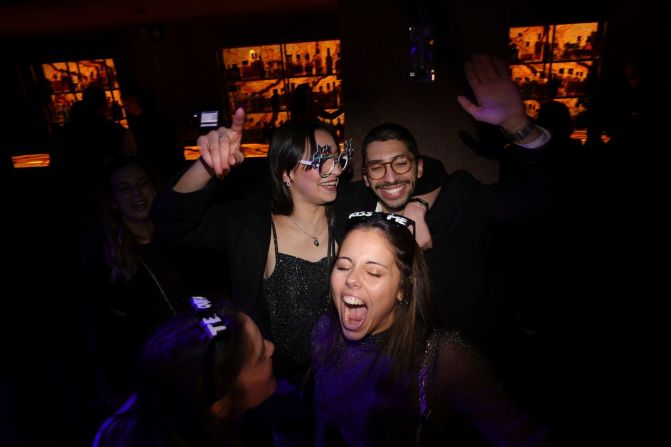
(272, 226)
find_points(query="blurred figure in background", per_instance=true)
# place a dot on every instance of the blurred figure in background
(129, 280)
(154, 132)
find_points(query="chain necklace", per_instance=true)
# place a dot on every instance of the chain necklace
(315, 240)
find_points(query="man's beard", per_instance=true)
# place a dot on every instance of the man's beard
(398, 204)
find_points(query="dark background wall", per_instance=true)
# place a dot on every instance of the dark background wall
(181, 64)
(375, 48)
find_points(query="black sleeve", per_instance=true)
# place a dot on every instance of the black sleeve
(434, 176)
(191, 220)
(464, 381)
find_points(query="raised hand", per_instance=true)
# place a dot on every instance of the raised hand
(220, 149)
(498, 100)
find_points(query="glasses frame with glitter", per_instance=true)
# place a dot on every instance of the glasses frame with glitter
(340, 158)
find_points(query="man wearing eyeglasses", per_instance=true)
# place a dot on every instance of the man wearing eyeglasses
(462, 212)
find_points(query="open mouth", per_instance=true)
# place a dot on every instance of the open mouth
(329, 185)
(353, 313)
(141, 205)
(392, 192)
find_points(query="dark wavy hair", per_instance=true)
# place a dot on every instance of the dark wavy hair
(387, 132)
(182, 371)
(287, 148)
(414, 316)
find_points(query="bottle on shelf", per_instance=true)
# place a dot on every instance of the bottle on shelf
(254, 66)
(538, 47)
(235, 72)
(329, 62)
(298, 66)
(276, 70)
(308, 65)
(289, 69)
(317, 60)
(257, 66)
(246, 69)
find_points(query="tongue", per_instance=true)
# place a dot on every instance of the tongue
(354, 316)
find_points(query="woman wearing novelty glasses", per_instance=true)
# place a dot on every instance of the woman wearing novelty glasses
(279, 250)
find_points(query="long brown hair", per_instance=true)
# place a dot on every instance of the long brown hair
(414, 315)
(119, 243)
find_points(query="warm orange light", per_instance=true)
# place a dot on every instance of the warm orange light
(31, 161)
(250, 150)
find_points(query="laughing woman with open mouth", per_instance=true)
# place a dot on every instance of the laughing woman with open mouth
(385, 374)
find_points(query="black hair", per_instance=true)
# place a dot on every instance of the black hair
(287, 148)
(386, 132)
(178, 361)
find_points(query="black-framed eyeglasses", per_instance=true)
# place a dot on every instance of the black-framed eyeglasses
(399, 164)
(326, 160)
(365, 216)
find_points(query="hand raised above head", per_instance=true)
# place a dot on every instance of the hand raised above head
(498, 100)
(220, 149)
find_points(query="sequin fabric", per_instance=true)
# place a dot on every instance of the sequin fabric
(296, 295)
(356, 405)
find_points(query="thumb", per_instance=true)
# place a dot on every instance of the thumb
(468, 105)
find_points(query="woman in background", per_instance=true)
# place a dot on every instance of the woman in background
(130, 280)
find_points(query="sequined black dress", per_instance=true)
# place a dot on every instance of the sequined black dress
(296, 294)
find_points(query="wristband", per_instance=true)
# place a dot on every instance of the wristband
(521, 134)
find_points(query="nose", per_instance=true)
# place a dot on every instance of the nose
(390, 175)
(337, 170)
(352, 279)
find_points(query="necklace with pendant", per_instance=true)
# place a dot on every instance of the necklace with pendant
(315, 241)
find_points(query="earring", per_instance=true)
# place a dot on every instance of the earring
(288, 183)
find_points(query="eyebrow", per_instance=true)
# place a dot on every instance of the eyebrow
(381, 160)
(367, 262)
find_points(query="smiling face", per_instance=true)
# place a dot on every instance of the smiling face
(392, 190)
(132, 192)
(365, 284)
(256, 378)
(307, 185)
